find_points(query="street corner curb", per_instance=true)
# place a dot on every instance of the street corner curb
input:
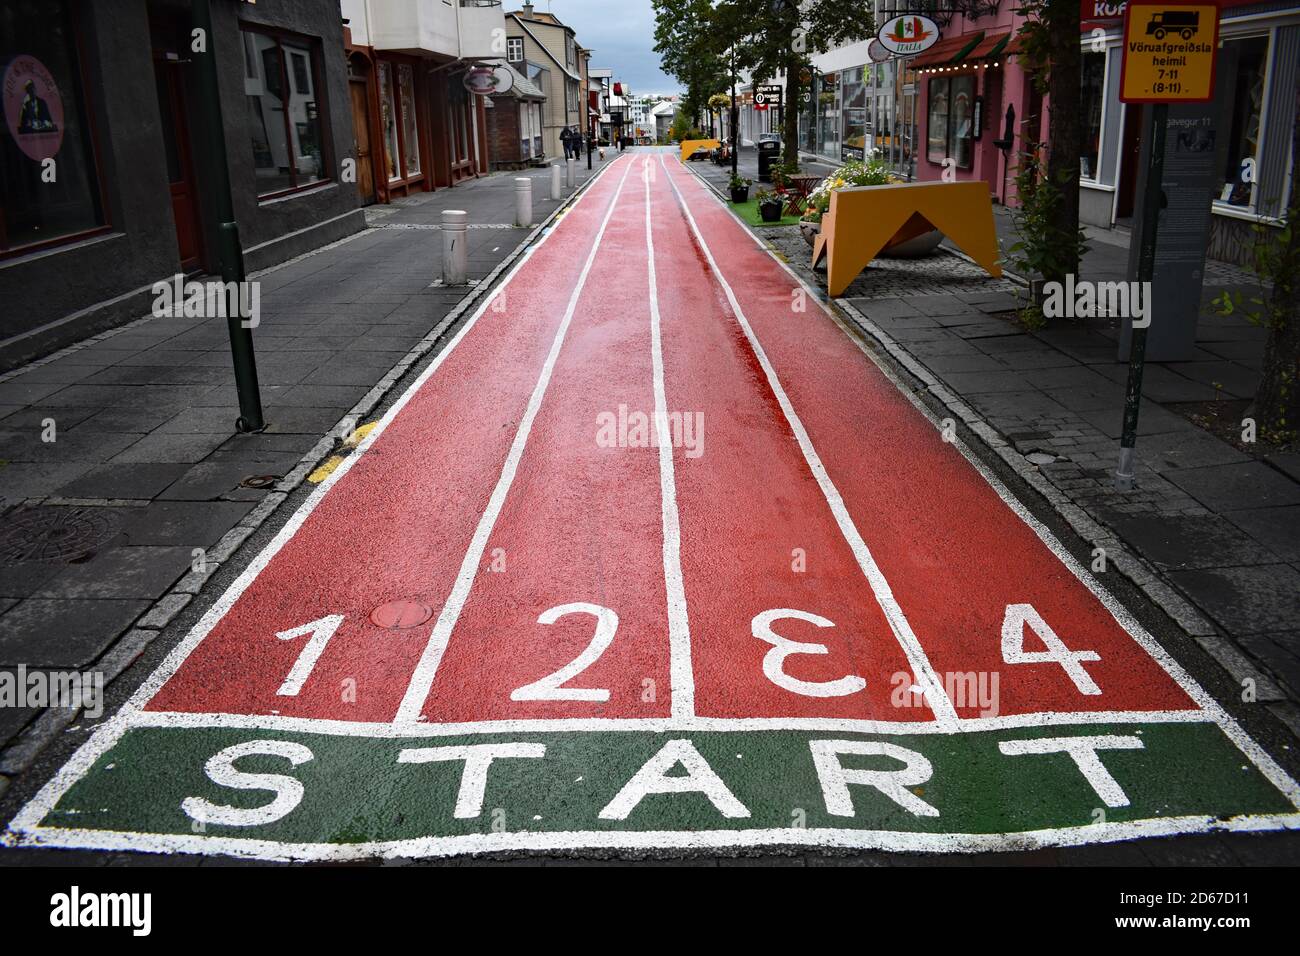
(1139, 572)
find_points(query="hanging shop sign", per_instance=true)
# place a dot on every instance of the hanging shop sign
(876, 52)
(766, 97)
(1169, 52)
(1091, 11)
(488, 80)
(33, 107)
(908, 34)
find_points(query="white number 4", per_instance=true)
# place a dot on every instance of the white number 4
(1013, 647)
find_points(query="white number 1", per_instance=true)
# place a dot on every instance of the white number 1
(1013, 647)
(321, 631)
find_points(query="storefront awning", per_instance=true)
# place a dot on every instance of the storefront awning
(973, 47)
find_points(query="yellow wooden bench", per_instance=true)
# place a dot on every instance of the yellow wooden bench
(691, 145)
(864, 221)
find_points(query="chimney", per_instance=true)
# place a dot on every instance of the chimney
(528, 11)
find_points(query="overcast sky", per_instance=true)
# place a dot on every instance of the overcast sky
(622, 34)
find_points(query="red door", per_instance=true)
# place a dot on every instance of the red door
(180, 168)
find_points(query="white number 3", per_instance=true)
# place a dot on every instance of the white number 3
(783, 647)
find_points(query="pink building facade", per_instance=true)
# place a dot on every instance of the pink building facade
(969, 85)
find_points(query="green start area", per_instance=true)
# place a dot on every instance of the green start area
(282, 795)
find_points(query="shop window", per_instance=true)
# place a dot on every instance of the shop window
(1092, 96)
(49, 182)
(949, 129)
(410, 133)
(854, 130)
(286, 109)
(1242, 66)
(828, 113)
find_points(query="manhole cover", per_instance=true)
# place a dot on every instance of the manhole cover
(54, 533)
(259, 481)
(398, 615)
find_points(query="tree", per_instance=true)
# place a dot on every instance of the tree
(769, 37)
(690, 51)
(1050, 41)
(1277, 402)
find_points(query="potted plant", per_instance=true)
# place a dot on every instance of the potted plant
(871, 171)
(769, 206)
(740, 188)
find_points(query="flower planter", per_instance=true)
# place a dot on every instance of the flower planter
(739, 194)
(770, 211)
(810, 231)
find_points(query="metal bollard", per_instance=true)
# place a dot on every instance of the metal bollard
(455, 246)
(573, 173)
(523, 201)
(557, 188)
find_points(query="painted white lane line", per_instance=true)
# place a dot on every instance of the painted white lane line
(971, 725)
(926, 677)
(679, 629)
(417, 691)
(107, 735)
(902, 841)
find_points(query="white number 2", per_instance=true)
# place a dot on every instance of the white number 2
(321, 631)
(1013, 647)
(551, 687)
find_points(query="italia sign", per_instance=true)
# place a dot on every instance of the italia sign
(908, 34)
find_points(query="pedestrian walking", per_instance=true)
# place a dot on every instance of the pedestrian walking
(566, 140)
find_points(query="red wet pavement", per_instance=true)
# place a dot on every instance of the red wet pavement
(911, 575)
(396, 525)
(953, 551)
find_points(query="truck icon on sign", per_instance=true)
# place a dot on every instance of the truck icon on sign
(1184, 23)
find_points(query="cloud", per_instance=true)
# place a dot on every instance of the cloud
(622, 34)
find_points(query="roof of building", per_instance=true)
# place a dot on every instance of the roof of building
(523, 23)
(522, 88)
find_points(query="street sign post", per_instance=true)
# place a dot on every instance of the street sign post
(1168, 57)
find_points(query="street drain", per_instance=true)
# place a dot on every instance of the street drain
(55, 533)
(399, 615)
(259, 481)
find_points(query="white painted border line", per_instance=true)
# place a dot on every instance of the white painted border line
(935, 694)
(679, 628)
(373, 731)
(108, 734)
(827, 838)
(1231, 728)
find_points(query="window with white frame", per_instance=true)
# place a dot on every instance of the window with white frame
(514, 49)
(1092, 97)
(1243, 65)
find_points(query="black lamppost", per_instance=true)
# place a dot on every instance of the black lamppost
(229, 249)
(735, 118)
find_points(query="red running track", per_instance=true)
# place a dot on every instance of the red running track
(521, 477)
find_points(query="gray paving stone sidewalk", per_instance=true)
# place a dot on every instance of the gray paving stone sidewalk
(1216, 523)
(120, 471)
